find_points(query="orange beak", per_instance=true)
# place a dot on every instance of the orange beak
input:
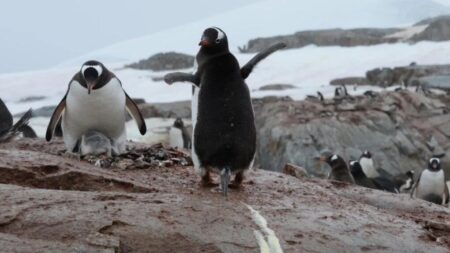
(203, 43)
(90, 86)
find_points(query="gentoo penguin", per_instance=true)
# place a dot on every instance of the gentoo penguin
(404, 182)
(224, 132)
(367, 165)
(95, 100)
(94, 143)
(8, 131)
(179, 135)
(339, 170)
(360, 178)
(430, 185)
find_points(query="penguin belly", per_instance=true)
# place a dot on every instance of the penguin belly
(103, 110)
(194, 108)
(176, 137)
(431, 186)
(368, 167)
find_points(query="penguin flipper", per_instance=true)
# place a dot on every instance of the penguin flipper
(6, 119)
(55, 118)
(413, 189)
(247, 68)
(134, 111)
(27, 131)
(181, 77)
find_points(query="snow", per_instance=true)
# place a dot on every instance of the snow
(408, 33)
(310, 68)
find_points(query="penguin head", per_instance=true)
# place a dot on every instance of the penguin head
(178, 123)
(333, 160)
(434, 164)
(214, 40)
(91, 72)
(355, 168)
(366, 154)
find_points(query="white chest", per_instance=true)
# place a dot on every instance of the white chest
(176, 137)
(103, 110)
(368, 167)
(431, 183)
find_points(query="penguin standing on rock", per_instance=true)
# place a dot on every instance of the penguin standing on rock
(95, 101)
(431, 184)
(224, 138)
(339, 169)
(8, 131)
(179, 135)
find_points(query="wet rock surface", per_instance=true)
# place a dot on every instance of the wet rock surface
(53, 203)
(401, 129)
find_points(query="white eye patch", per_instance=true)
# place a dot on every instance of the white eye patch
(435, 160)
(220, 33)
(352, 163)
(334, 157)
(96, 67)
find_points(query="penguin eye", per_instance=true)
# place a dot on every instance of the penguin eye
(217, 41)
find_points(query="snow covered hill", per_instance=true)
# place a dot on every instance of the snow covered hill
(310, 68)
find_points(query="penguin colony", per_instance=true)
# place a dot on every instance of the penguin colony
(91, 119)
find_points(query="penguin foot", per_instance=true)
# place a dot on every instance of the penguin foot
(237, 182)
(207, 181)
(225, 175)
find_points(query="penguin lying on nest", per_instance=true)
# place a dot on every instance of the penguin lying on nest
(224, 131)
(378, 183)
(8, 131)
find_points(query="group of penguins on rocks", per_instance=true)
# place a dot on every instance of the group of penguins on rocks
(430, 185)
(92, 119)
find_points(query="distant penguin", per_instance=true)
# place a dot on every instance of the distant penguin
(8, 131)
(405, 181)
(367, 165)
(339, 169)
(431, 185)
(224, 138)
(94, 143)
(95, 100)
(179, 135)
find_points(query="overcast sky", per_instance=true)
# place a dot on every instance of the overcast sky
(41, 34)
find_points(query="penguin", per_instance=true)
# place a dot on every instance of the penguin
(95, 143)
(378, 183)
(360, 178)
(404, 182)
(8, 131)
(95, 100)
(431, 185)
(339, 169)
(224, 131)
(179, 135)
(367, 165)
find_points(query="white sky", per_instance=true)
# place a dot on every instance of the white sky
(41, 34)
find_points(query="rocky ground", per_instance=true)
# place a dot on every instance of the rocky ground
(53, 203)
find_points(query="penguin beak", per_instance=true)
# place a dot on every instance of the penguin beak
(203, 43)
(321, 158)
(90, 86)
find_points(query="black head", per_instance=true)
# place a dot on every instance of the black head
(434, 164)
(335, 161)
(92, 72)
(410, 174)
(178, 123)
(356, 169)
(366, 154)
(214, 40)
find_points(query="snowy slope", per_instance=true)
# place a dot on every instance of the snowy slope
(272, 17)
(310, 68)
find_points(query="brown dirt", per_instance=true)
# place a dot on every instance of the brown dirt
(51, 203)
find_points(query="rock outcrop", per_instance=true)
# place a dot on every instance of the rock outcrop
(402, 130)
(55, 204)
(164, 61)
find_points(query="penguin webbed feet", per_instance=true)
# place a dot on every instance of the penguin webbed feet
(181, 77)
(246, 70)
(225, 175)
